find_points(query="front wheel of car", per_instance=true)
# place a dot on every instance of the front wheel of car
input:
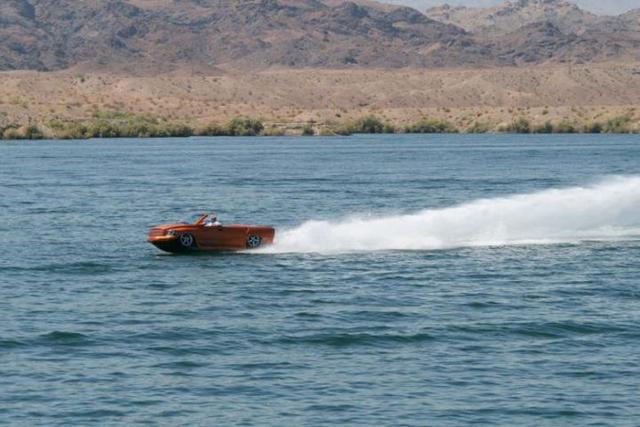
(254, 242)
(187, 241)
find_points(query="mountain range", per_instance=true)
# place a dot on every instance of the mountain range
(609, 7)
(156, 36)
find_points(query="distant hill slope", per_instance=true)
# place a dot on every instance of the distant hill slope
(509, 16)
(156, 36)
(599, 7)
(165, 34)
(580, 94)
(534, 31)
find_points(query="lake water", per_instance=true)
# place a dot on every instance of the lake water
(416, 280)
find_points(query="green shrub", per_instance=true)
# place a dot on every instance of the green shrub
(307, 130)
(68, 130)
(341, 129)
(30, 131)
(547, 127)
(368, 124)
(245, 126)
(520, 125)
(479, 127)
(431, 126)
(388, 128)
(333, 130)
(33, 132)
(595, 127)
(565, 127)
(371, 124)
(75, 131)
(56, 125)
(103, 129)
(173, 130)
(137, 130)
(620, 124)
(214, 129)
(106, 125)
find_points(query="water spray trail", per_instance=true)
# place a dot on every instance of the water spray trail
(609, 210)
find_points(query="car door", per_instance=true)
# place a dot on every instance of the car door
(220, 237)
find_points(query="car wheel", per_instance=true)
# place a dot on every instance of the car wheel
(187, 241)
(254, 241)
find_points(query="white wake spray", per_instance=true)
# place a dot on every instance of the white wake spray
(609, 210)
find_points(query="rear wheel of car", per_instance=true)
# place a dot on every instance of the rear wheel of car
(254, 242)
(187, 241)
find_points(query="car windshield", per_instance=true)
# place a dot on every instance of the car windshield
(191, 219)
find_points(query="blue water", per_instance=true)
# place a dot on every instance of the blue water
(521, 309)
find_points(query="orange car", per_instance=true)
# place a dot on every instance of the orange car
(205, 233)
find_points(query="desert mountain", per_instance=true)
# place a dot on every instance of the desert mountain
(510, 16)
(630, 21)
(535, 31)
(165, 34)
(533, 43)
(154, 36)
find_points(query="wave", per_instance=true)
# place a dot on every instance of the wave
(607, 210)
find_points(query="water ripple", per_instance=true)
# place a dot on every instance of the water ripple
(450, 323)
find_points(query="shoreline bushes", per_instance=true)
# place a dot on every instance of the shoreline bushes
(371, 124)
(520, 125)
(479, 127)
(620, 124)
(431, 126)
(308, 130)
(547, 127)
(245, 127)
(238, 126)
(364, 125)
(615, 125)
(30, 131)
(119, 125)
(124, 125)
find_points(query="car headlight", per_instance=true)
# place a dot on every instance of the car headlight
(171, 232)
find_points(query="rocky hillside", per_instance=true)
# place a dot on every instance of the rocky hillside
(168, 34)
(156, 36)
(510, 16)
(535, 31)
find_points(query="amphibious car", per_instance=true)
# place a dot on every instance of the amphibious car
(204, 233)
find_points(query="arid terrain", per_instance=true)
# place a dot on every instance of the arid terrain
(297, 63)
(291, 98)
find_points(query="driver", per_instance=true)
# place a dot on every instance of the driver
(212, 221)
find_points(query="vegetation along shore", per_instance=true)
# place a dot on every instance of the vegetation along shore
(122, 125)
(547, 98)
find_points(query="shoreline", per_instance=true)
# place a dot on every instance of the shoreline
(123, 125)
(593, 98)
(290, 136)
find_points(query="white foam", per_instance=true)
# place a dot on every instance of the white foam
(608, 210)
